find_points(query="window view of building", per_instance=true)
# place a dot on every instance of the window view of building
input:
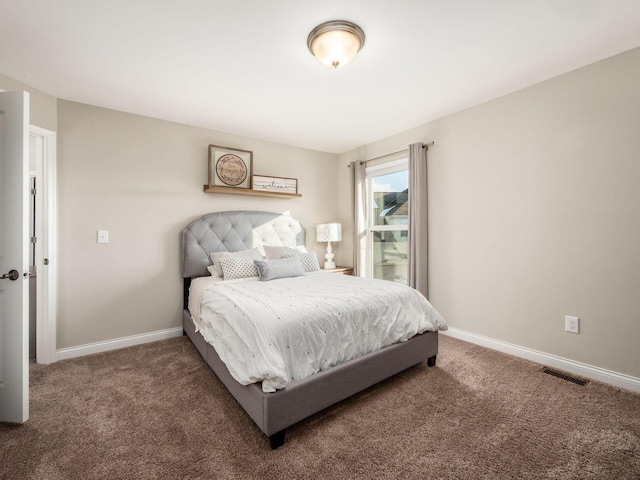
(389, 222)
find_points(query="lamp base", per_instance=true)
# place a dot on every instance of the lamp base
(329, 256)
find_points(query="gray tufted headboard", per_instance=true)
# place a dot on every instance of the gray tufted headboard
(233, 231)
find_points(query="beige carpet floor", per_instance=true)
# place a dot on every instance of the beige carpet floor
(157, 411)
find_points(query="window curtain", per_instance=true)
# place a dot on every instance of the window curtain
(418, 232)
(358, 202)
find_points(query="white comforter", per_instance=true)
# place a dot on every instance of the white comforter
(285, 330)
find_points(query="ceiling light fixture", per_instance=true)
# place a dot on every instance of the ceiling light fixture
(335, 43)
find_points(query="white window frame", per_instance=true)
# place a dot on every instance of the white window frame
(371, 172)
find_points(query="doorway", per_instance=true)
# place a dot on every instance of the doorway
(33, 291)
(43, 246)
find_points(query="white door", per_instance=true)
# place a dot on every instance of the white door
(14, 257)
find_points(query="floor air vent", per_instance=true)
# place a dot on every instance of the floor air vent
(564, 376)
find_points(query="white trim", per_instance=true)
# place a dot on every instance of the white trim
(389, 228)
(97, 347)
(589, 371)
(386, 168)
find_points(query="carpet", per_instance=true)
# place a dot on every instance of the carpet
(156, 411)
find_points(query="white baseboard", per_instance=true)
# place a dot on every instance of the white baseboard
(97, 347)
(595, 373)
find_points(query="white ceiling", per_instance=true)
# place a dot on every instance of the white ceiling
(242, 66)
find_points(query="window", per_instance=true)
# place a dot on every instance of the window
(388, 220)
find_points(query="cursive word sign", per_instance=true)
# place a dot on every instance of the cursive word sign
(274, 184)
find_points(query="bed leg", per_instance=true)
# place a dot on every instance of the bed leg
(431, 361)
(277, 439)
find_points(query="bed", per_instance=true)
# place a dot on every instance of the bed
(273, 412)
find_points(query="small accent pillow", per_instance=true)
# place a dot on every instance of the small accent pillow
(238, 267)
(279, 268)
(276, 252)
(309, 260)
(216, 256)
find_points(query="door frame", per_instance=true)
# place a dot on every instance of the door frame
(46, 252)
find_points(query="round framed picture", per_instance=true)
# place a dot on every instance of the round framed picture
(230, 167)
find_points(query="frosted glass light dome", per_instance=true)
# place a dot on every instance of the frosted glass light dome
(336, 43)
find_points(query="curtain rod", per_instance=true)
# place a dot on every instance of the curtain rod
(425, 145)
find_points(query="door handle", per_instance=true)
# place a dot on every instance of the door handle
(12, 275)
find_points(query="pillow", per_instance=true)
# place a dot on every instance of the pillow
(309, 260)
(213, 271)
(238, 267)
(276, 252)
(216, 256)
(279, 268)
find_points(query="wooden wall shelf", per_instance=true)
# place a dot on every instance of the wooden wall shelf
(246, 191)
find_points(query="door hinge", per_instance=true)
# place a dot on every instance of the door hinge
(33, 191)
(34, 239)
(46, 261)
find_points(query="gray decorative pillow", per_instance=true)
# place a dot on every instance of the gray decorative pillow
(238, 267)
(216, 256)
(274, 252)
(279, 268)
(309, 260)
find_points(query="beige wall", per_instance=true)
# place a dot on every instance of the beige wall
(534, 212)
(534, 208)
(142, 179)
(43, 107)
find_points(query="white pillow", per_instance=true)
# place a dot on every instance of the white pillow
(252, 253)
(274, 252)
(238, 267)
(309, 260)
(280, 268)
(213, 272)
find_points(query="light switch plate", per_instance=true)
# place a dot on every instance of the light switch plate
(103, 236)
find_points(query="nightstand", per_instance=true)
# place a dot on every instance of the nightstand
(340, 270)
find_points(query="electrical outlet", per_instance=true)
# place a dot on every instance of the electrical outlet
(572, 324)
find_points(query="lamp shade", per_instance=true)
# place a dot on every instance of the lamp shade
(329, 232)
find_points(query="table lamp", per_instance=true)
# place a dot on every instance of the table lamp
(329, 232)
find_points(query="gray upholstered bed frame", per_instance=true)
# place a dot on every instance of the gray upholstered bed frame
(274, 412)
